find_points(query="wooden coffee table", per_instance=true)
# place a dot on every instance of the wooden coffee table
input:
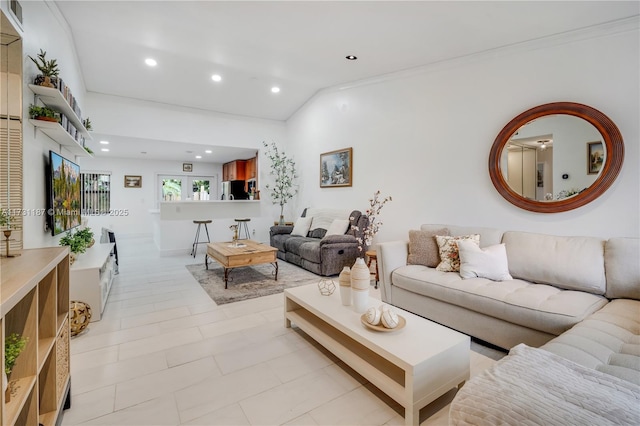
(414, 365)
(246, 253)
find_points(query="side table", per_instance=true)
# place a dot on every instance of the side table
(372, 256)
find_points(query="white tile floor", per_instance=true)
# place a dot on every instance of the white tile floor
(166, 354)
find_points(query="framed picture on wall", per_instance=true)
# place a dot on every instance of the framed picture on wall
(131, 181)
(595, 157)
(187, 167)
(336, 168)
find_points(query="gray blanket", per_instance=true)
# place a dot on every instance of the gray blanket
(534, 387)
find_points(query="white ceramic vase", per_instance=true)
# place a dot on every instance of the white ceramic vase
(345, 285)
(360, 282)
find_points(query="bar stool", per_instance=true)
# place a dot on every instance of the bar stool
(242, 225)
(196, 241)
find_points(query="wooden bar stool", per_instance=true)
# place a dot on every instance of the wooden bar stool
(196, 241)
(372, 256)
(242, 225)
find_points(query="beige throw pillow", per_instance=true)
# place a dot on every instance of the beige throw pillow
(448, 249)
(423, 249)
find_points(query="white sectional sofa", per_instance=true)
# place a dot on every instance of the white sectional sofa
(577, 298)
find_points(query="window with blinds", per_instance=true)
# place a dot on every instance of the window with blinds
(96, 193)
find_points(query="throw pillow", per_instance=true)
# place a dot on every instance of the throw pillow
(448, 249)
(489, 262)
(301, 227)
(338, 227)
(423, 249)
(317, 233)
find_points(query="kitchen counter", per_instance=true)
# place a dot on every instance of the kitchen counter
(174, 228)
(211, 209)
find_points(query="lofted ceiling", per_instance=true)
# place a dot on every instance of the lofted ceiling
(299, 47)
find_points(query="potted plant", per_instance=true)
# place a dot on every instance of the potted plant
(77, 245)
(48, 69)
(89, 150)
(44, 113)
(87, 124)
(5, 222)
(14, 344)
(86, 234)
(283, 169)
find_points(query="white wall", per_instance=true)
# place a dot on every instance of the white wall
(424, 137)
(131, 206)
(43, 29)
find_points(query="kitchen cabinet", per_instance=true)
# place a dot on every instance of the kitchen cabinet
(234, 170)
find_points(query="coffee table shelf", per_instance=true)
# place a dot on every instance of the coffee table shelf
(414, 366)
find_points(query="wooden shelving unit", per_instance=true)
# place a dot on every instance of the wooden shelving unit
(34, 302)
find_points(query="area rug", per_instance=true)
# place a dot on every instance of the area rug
(249, 282)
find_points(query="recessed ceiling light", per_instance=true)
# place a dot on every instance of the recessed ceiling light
(351, 57)
(216, 77)
(198, 156)
(105, 150)
(104, 142)
(151, 62)
(275, 89)
(208, 151)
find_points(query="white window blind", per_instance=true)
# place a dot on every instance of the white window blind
(96, 193)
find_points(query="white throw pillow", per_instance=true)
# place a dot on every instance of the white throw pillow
(302, 226)
(489, 262)
(338, 227)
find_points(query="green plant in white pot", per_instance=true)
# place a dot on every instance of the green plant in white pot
(283, 169)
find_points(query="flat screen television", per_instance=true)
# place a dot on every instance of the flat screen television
(64, 194)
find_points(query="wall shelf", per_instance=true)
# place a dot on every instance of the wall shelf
(51, 97)
(60, 135)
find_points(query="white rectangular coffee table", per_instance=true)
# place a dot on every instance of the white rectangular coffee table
(414, 365)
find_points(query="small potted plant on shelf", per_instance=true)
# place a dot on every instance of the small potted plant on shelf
(48, 69)
(87, 235)
(89, 150)
(44, 113)
(14, 344)
(87, 124)
(77, 245)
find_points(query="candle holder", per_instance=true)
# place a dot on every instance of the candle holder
(7, 236)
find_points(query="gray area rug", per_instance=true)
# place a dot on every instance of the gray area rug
(249, 282)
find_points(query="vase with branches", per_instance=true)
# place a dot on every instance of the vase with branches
(283, 169)
(375, 206)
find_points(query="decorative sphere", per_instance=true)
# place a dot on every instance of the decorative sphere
(326, 286)
(373, 315)
(390, 319)
(80, 315)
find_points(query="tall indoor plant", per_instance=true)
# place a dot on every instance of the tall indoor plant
(283, 169)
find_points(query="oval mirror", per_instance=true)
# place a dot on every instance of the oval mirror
(556, 157)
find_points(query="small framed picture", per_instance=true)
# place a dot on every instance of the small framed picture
(187, 167)
(336, 168)
(131, 181)
(595, 157)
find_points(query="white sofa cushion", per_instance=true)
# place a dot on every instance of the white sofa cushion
(572, 263)
(622, 265)
(338, 227)
(323, 217)
(537, 306)
(489, 262)
(301, 227)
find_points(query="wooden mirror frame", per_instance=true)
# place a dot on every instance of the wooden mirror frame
(612, 139)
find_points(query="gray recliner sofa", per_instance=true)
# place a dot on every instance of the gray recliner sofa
(315, 252)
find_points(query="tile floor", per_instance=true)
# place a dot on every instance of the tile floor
(165, 354)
